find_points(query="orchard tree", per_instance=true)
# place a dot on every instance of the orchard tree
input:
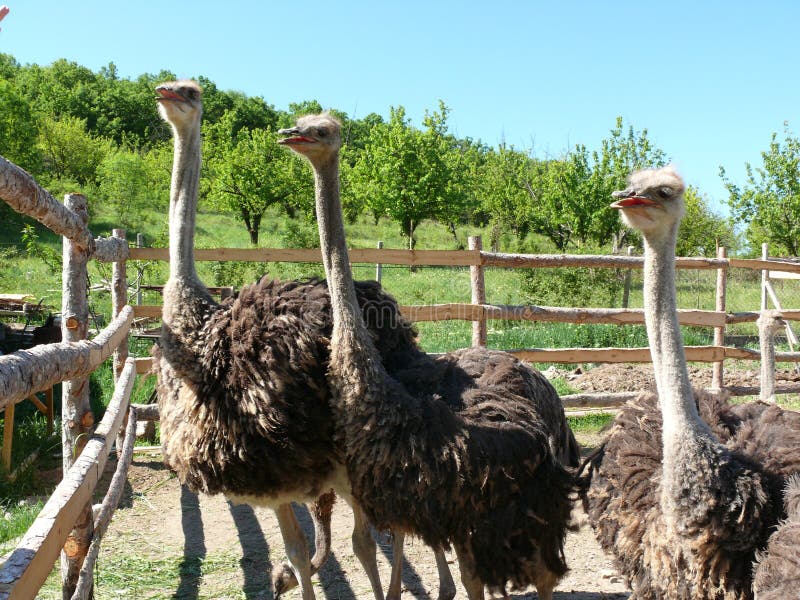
(252, 172)
(69, 151)
(410, 175)
(620, 154)
(702, 230)
(769, 202)
(18, 129)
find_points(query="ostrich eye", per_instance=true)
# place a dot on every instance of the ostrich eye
(322, 132)
(664, 193)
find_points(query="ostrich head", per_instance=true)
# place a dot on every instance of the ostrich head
(653, 199)
(317, 137)
(180, 102)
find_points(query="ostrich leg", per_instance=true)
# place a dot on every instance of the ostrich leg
(296, 548)
(447, 587)
(283, 578)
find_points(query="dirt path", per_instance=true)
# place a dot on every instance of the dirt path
(158, 520)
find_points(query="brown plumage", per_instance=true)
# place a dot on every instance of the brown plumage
(254, 419)
(483, 478)
(686, 489)
(778, 569)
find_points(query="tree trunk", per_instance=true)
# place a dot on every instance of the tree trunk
(254, 231)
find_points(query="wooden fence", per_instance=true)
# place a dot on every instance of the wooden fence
(479, 311)
(68, 526)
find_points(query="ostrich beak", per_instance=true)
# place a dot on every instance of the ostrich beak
(629, 199)
(167, 93)
(293, 137)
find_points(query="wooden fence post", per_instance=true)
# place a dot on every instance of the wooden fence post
(8, 436)
(626, 290)
(76, 414)
(478, 294)
(764, 276)
(769, 323)
(719, 332)
(379, 266)
(139, 244)
(119, 298)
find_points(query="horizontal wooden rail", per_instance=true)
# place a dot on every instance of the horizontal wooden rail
(475, 312)
(30, 563)
(21, 192)
(499, 259)
(755, 264)
(463, 258)
(110, 249)
(642, 355)
(313, 255)
(26, 372)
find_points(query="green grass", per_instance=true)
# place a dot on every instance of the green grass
(15, 518)
(121, 575)
(591, 423)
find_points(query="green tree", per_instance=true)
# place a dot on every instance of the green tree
(410, 175)
(620, 154)
(18, 129)
(134, 184)
(702, 230)
(252, 172)
(69, 151)
(768, 204)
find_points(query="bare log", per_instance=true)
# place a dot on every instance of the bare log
(27, 567)
(119, 298)
(478, 288)
(146, 412)
(26, 372)
(21, 192)
(107, 508)
(599, 400)
(755, 264)
(312, 255)
(111, 249)
(613, 355)
(77, 419)
(499, 259)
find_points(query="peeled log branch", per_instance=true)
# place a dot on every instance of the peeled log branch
(499, 259)
(107, 508)
(21, 192)
(146, 412)
(26, 372)
(110, 249)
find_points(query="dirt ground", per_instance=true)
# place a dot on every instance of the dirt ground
(632, 377)
(160, 518)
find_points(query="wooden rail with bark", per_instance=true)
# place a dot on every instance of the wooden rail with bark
(25, 372)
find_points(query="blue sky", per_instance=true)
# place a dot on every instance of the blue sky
(709, 80)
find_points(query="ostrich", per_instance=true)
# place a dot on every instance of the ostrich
(483, 478)
(778, 570)
(683, 502)
(243, 397)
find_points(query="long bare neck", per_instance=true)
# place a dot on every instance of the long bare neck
(187, 302)
(666, 343)
(351, 344)
(183, 203)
